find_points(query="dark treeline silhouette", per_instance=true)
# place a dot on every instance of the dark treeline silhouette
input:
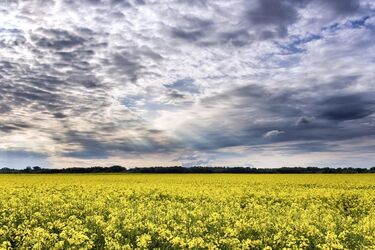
(195, 169)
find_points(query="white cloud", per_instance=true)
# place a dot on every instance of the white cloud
(273, 133)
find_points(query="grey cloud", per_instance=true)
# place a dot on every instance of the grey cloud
(92, 153)
(207, 32)
(274, 115)
(56, 39)
(262, 136)
(71, 57)
(11, 38)
(84, 79)
(7, 128)
(193, 29)
(147, 52)
(89, 146)
(59, 115)
(125, 63)
(273, 17)
(263, 20)
(48, 85)
(303, 147)
(96, 146)
(198, 3)
(342, 7)
(278, 102)
(259, 20)
(98, 3)
(174, 94)
(303, 120)
(237, 38)
(347, 107)
(21, 153)
(187, 35)
(140, 2)
(4, 108)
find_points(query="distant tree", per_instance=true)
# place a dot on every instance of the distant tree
(116, 168)
(37, 168)
(28, 169)
(7, 170)
(194, 169)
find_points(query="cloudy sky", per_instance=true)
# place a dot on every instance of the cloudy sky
(263, 83)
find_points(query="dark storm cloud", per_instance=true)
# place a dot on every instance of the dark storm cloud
(347, 107)
(303, 120)
(342, 7)
(273, 17)
(263, 136)
(286, 116)
(272, 12)
(263, 20)
(93, 146)
(277, 102)
(259, 20)
(209, 31)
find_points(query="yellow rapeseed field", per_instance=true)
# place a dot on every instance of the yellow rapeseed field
(199, 211)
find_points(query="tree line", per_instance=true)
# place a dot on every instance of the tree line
(188, 170)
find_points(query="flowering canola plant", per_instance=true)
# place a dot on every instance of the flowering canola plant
(187, 211)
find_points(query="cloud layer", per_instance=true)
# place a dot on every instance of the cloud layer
(265, 83)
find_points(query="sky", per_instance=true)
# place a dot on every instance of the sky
(258, 83)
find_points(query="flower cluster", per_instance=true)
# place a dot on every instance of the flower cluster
(223, 211)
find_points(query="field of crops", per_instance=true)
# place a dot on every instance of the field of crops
(174, 211)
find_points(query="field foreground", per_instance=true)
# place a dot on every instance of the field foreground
(174, 211)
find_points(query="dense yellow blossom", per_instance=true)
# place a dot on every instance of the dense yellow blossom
(182, 211)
